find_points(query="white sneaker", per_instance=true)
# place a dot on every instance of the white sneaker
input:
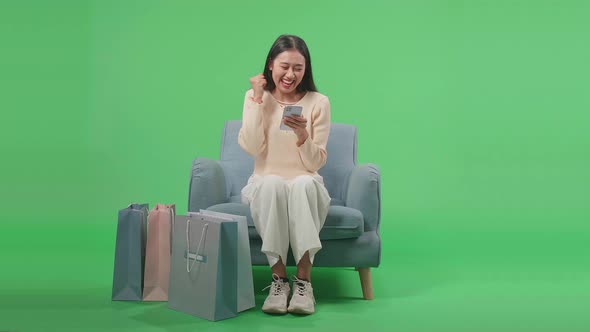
(302, 301)
(276, 301)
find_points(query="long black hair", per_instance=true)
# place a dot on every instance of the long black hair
(285, 43)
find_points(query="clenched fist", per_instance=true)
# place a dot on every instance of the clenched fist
(258, 83)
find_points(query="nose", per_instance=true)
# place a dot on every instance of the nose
(290, 73)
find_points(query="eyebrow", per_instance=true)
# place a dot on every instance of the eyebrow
(297, 65)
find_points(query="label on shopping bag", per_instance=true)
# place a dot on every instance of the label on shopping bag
(195, 257)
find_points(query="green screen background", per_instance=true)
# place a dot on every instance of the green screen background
(476, 112)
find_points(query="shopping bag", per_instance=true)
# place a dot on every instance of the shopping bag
(130, 253)
(244, 280)
(203, 267)
(157, 252)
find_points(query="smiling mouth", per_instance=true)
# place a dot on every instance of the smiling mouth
(287, 84)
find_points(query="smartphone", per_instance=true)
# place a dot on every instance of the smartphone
(290, 110)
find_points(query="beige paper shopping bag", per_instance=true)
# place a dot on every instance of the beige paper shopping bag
(158, 249)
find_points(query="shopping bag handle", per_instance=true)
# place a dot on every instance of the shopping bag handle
(171, 228)
(188, 251)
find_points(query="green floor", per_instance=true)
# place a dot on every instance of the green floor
(429, 280)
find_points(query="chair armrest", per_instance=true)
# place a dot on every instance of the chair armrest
(364, 194)
(207, 184)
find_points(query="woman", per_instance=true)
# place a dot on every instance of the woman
(287, 197)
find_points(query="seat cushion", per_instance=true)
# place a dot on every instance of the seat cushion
(341, 223)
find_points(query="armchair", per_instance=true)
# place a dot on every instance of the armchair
(350, 236)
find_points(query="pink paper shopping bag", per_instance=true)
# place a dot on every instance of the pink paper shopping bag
(157, 254)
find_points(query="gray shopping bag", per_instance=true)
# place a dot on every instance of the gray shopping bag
(244, 280)
(203, 267)
(130, 253)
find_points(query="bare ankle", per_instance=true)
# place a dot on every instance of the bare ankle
(279, 269)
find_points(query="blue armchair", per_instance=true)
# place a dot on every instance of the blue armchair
(350, 236)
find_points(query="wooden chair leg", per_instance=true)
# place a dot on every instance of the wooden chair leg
(366, 282)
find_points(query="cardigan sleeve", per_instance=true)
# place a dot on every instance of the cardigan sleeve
(251, 136)
(313, 150)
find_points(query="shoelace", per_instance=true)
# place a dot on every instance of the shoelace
(302, 287)
(276, 287)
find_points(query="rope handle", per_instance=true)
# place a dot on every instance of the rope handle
(204, 230)
(172, 214)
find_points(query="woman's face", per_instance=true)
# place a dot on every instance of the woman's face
(287, 71)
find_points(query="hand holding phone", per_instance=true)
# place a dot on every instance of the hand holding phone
(288, 111)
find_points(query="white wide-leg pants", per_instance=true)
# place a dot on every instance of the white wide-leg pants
(287, 212)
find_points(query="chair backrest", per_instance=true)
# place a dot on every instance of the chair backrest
(342, 144)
